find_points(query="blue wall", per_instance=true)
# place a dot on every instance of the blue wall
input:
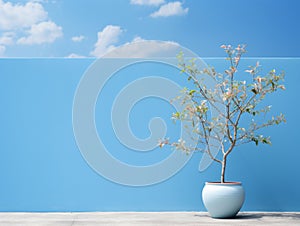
(42, 169)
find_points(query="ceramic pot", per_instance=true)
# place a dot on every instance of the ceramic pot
(223, 200)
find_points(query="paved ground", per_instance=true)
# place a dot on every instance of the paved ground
(146, 218)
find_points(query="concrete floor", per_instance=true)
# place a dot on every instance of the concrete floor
(146, 218)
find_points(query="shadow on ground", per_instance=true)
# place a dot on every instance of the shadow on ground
(241, 216)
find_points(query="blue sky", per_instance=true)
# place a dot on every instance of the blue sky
(90, 28)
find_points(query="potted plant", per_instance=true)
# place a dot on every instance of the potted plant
(238, 100)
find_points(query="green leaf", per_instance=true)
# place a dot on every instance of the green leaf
(192, 92)
(255, 140)
(176, 115)
(265, 141)
(254, 91)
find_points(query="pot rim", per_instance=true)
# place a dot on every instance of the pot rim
(226, 183)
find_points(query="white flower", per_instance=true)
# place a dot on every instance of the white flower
(163, 142)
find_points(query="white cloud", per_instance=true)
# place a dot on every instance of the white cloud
(44, 32)
(106, 40)
(26, 23)
(137, 48)
(2, 50)
(78, 38)
(138, 39)
(170, 9)
(41, 1)
(74, 55)
(141, 48)
(15, 16)
(7, 38)
(147, 2)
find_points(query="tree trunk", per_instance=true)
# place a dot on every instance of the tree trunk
(223, 169)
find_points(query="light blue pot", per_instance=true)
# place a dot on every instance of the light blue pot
(223, 200)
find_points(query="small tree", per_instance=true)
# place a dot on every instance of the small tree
(236, 99)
